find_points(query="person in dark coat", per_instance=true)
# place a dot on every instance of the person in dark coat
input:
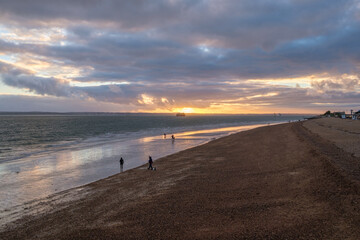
(150, 163)
(121, 164)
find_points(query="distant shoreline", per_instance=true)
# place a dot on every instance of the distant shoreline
(146, 114)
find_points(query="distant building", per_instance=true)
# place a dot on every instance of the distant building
(340, 115)
(180, 114)
(356, 116)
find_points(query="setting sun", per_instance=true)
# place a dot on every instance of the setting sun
(187, 110)
(184, 110)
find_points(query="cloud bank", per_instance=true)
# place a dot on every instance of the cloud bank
(213, 56)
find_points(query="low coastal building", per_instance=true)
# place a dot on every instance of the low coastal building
(353, 115)
(340, 115)
(356, 116)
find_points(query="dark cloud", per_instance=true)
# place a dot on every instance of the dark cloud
(186, 52)
(20, 78)
(21, 103)
(199, 95)
(125, 13)
(139, 58)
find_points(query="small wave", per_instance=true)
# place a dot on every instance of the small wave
(5, 149)
(62, 144)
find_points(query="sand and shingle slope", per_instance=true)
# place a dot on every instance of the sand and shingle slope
(275, 182)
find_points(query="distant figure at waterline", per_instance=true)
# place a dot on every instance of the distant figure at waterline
(150, 163)
(121, 164)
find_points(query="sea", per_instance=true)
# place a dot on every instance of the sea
(42, 154)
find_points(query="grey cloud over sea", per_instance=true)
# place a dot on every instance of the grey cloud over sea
(24, 79)
(183, 53)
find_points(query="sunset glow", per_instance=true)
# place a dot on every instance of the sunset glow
(188, 110)
(210, 57)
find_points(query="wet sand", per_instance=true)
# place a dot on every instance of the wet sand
(49, 172)
(275, 182)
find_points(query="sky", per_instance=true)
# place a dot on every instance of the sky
(201, 56)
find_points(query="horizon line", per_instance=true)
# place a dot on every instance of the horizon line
(87, 112)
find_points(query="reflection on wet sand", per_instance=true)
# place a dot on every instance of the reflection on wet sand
(43, 174)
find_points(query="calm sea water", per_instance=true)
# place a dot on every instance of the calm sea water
(23, 135)
(44, 154)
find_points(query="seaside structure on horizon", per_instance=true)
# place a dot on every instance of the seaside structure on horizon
(343, 115)
(180, 114)
(356, 116)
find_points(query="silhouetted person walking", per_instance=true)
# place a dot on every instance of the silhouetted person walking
(150, 163)
(121, 164)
